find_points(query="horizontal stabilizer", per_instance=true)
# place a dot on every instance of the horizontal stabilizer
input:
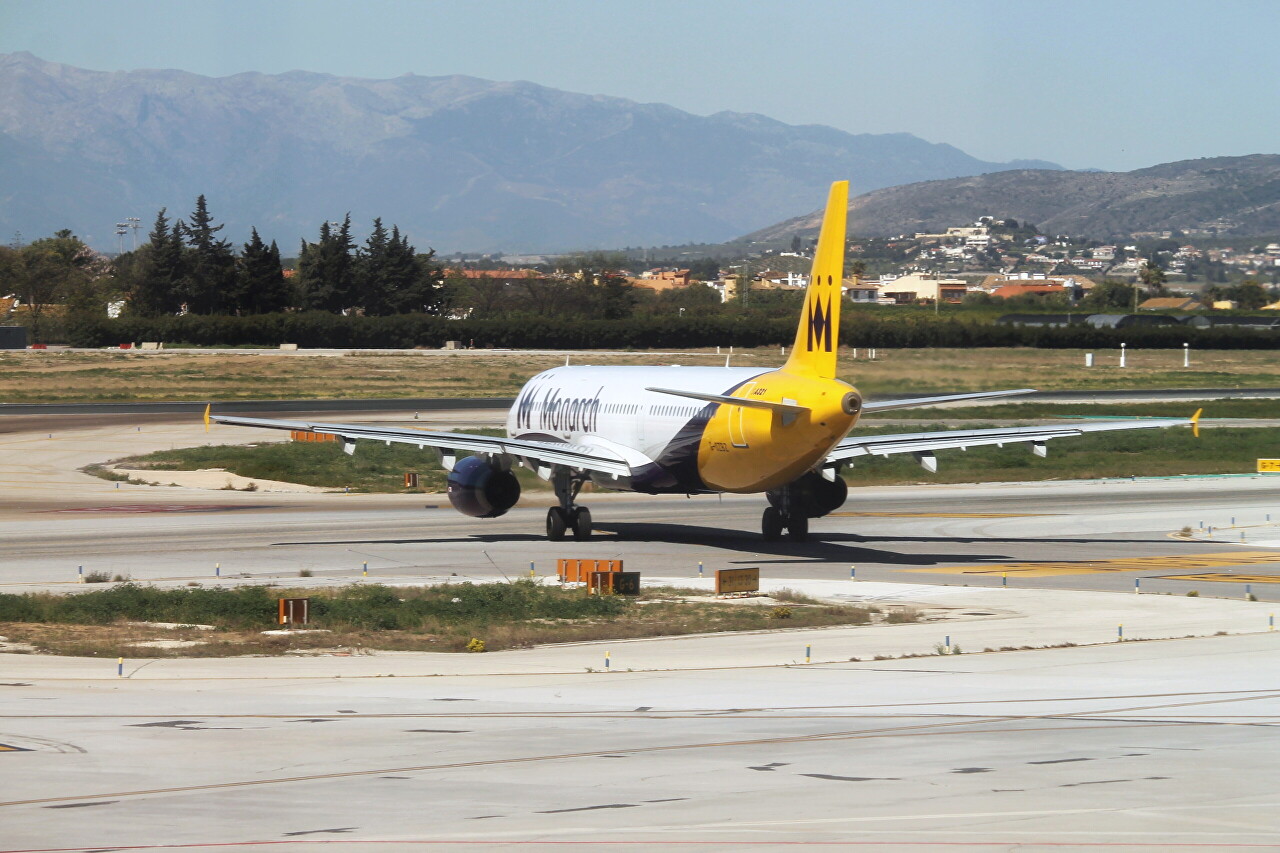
(784, 408)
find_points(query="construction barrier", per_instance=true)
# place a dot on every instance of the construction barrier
(579, 571)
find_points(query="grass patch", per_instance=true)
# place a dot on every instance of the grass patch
(374, 467)
(1154, 453)
(450, 617)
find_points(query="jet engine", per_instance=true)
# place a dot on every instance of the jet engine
(478, 489)
(812, 496)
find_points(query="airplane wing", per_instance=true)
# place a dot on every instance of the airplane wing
(545, 452)
(885, 405)
(923, 444)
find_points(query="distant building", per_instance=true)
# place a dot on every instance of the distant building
(661, 280)
(794, 280)
(861, 293)
(923, 287)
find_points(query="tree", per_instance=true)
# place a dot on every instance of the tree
(480, 298)
(618, 296)
(160, 270)
(212, 266)
(1109, 294)
(46, 272)
(705, 269)
(1248, 294)
(696, 299)
(261, 287)
(326, 270)
(1153, 276)
(393, 278)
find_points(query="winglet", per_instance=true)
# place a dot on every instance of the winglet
(207, 407)
(1195, 423)
(818, 335)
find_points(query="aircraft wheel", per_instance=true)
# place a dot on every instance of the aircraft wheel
(581, 524)
(771, 524)
(557, 523)
(798, 528)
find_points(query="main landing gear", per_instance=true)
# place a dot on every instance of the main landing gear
(567, 516)
(812, 495)
(776, 521)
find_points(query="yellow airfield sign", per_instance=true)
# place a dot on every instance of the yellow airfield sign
(1269, 466)
(737, 580)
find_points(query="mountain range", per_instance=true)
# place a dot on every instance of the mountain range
(1227, 196)
(457, 162)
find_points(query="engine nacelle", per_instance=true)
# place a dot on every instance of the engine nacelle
(813, 495)
(480, 490)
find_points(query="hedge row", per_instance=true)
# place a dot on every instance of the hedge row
(319, 330)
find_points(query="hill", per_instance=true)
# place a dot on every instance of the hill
(1232, 196)
(457, 162)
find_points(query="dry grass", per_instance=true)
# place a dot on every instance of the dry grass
(657, 619)
(51, 377)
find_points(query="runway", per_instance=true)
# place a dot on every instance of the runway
(727, 742)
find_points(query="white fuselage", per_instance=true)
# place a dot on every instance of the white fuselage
(609, 408)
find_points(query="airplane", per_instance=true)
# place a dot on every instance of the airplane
(782, 432)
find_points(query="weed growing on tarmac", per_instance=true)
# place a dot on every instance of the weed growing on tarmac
(792, 596)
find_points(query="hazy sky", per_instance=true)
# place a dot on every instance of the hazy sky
(1116, 85)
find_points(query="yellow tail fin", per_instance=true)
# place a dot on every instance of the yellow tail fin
(818, 336)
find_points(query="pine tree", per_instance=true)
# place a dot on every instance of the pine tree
(372, 284)
(260, 286)
(212, 276)
(415, 277)
(161, 272)
(326, 270)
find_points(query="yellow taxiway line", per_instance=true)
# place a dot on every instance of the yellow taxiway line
(1124, 564)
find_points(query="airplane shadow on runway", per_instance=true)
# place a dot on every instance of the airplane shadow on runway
(824, 547)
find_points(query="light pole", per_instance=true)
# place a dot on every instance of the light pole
(135, 223)
(121, 230)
